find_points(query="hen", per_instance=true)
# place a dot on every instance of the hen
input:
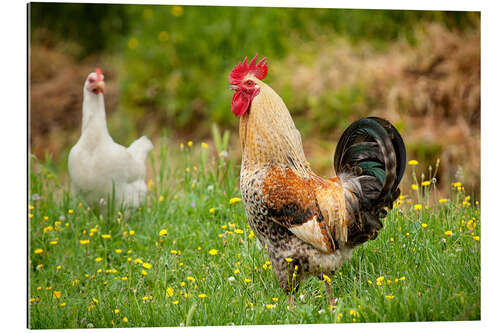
(309, 224)
(98, 167)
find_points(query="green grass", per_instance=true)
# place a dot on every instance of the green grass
(430, 275)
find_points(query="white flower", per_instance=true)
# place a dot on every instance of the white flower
(231, 278)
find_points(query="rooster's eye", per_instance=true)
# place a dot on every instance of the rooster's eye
(249, 83)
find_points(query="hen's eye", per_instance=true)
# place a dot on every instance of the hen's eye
(91, 80)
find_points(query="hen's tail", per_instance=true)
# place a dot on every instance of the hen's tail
(140, 148)
(370, 160)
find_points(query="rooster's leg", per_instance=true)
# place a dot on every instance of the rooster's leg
(329, 293)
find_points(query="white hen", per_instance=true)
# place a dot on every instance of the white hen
(97, 165)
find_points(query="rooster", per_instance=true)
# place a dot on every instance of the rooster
(310, 225)
(98, 167)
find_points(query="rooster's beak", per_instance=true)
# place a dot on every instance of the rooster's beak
(233, 87)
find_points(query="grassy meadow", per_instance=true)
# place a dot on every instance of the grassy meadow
(188, 258)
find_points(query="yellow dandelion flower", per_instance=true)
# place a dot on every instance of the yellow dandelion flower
(414, 187)
(417, 207)
(106, 236)
(131, 232)
(138, 261)
(202, 295)
(62, 305)
(31, 215)
(124, 278)
(147, 265)
(448, 233)
(270, 306)
(413, 162)
(327, 278)
(48, 229)
(70, 211)
(118, 251)
(389, 296)
(125, 319)
(31, 207)
(190, 143)
(476, 238)
(424, 225)
(204, 145)
(38, 251)
(58, 267)
(275, 299)
(133, 43)
(145, 298)
(213, 252)
(161, 198)
(116, 311)
(471, 225)
(57, 294)
(162, 232)
(183, 284)
(247, 280)
(234, 200)
(238, 231)
(288, 259)
(98, 259)
(144, 273)
(402, 278)
(177, 11)
(211, 210)
(169, 292)
(426, 183)
(190, 278)
(163, 37)
(175, 302)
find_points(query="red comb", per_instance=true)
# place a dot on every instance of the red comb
(99, 73)
(242, 69)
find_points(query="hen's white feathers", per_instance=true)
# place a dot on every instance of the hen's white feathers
(98, 166)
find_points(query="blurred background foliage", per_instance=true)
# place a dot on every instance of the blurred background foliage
(166, 70)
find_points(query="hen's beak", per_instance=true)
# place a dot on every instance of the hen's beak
(233, 87)
(100, 85)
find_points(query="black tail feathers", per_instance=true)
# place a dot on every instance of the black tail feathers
(370, 160)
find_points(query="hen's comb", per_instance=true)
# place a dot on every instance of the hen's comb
(99, 73)
(243, 68)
